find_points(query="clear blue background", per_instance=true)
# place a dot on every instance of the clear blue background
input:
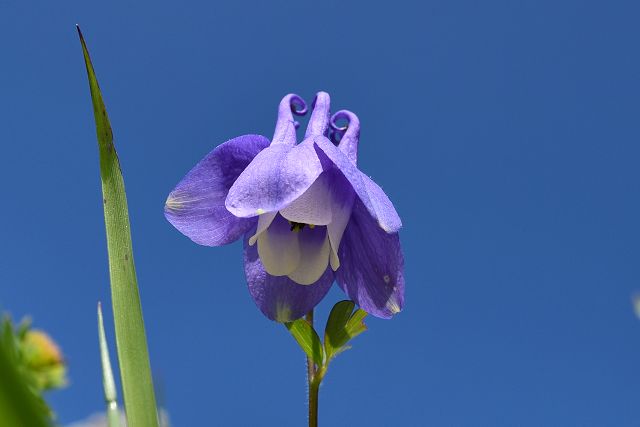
(506, 133)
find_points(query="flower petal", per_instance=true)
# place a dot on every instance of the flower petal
(372, 270)
(371, 195)
(276, 177)
(280, 298)
(196, 207)
(384, 210)
(342, 197)
(286, 125)
(335, 231)
(313, 206)
(327, 202)
(350, 133)
(279, 248)
(319, 120)
(264, 221)
(314, 255)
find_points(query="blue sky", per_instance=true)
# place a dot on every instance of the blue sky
(506, 133)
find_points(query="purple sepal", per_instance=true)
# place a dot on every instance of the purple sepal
(371, 195)
(196, 207)
(372, 266)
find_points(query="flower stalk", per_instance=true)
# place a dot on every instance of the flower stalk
(314, 393)
(343, 325)
(312, 381)
(308, 217)
(314, 390)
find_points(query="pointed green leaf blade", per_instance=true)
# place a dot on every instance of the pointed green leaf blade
(135, 370)
(108, 383)
(307, 338)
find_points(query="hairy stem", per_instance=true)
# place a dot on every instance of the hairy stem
(314, 389)
(314, 386)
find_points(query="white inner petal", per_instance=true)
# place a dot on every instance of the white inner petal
(334, 260)
(301, 251)
(335, 230)
(342, 199)
(314, 257)
(264, 221)
(313, 206)
(279, 248)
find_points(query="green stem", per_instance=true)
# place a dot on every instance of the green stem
(314, 392)
(311, 367)
(314, 387)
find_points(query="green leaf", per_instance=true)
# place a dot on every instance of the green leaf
(19, 405)
(8, 338)
(135, 370)
(23, 328)
(335, 334)
(308, 339)
(342, 326)
(108, 383)
(355, 325)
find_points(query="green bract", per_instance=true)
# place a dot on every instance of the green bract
(343, 325)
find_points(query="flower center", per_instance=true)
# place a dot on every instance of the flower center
(298, 226)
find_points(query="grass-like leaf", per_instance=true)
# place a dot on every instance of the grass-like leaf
(135, 370)
(307, 338)
(108, 383)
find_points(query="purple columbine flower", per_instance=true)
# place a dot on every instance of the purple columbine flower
(307, 214)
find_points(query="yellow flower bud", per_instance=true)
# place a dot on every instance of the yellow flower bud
(44, 360)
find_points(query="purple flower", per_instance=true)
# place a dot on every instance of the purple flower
(307, 214)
